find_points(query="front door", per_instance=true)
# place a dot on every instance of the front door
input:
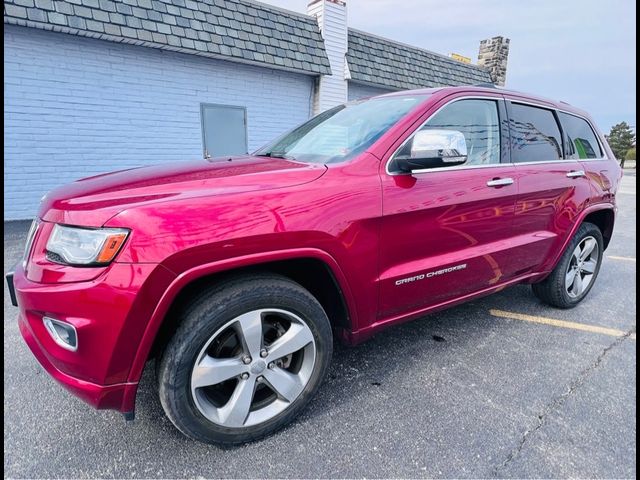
(447, 231)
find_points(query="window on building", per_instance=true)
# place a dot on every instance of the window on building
(478, 121)
(581, 140)
(535, 135)
(224, 130)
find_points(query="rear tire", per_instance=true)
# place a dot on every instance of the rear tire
(576, 272)
(247, 357)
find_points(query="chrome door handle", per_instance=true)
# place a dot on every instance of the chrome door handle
(576, 174)
(500, 182)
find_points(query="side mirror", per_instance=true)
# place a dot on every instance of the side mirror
(431, 149)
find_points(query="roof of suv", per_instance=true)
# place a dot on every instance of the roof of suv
(559, 105)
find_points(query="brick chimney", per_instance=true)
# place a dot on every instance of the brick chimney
(331, 90)
(493, 55)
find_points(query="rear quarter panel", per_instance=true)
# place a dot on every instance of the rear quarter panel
(605, 173)
(604, 177)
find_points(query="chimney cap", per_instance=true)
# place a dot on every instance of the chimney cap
(342, 3)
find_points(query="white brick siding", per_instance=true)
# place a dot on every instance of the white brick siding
(76, 107)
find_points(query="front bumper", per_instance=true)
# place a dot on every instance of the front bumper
(109, 313)
(119, 397)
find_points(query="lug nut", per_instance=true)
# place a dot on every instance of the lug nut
(244, 376)
(259, 379)
(264, 352)
(272, 366)
(246, 359)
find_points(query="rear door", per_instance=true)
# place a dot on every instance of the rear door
(446, 231)
(553, 187)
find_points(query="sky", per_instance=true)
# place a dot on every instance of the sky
(579, 51)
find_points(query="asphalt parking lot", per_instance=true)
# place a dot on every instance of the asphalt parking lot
(481, 390)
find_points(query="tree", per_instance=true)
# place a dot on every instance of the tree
(621, 139)
(631, 154)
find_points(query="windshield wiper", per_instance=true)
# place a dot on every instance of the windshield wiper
(277, 155)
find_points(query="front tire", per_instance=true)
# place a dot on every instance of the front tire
(247, 357)
(576, 272)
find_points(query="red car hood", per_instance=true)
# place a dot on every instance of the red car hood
(94, 200)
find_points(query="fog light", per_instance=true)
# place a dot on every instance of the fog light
(64, 334)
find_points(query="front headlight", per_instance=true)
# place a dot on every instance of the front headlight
(83, 246)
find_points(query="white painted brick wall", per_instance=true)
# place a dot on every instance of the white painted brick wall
(75, 107)
(357, 91)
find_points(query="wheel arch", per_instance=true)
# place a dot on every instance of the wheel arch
(604, 219)
(314, 269)
(604, 213)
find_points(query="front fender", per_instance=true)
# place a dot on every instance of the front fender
(200, 271)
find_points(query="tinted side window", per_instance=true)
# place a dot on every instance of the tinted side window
(478, 121)
(535, 136)
(581, 141)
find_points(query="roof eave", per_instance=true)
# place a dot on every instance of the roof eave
(324, 69)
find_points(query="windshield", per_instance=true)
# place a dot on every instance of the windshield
(342, 132)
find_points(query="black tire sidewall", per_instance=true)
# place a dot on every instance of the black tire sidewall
(209, 312)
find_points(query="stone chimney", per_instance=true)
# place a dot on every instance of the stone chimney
(493, 55)
(331, 90)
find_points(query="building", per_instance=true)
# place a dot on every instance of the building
(99, 85)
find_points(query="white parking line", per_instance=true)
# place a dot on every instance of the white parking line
(625, 259)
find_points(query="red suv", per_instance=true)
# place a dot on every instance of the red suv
(234, 274)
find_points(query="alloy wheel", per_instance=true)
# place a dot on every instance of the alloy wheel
(253, 368)
(582, 267)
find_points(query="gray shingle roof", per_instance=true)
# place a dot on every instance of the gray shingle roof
(378, 61)
(240, 30)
